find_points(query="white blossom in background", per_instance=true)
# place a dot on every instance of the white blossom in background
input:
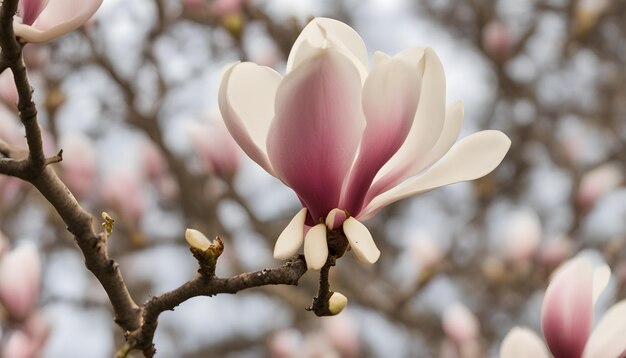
(522, 236)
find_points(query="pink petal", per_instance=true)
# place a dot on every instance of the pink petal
(429, 118)
(323, 32)
(18, 345)
(20, 277)
(449, 135)
(57, 18)
(29, 10)
(567, 311)
(390, 98)
(607, 339)
(315, 133)
(246, 99)
(521, 343)
(471, 158)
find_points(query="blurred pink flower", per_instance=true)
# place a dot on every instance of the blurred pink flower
(522, 236)
(460, 324)
(42, 21)
(79, 164)
(18, 346)
(8, 91)
(217, 151)
(427, 252)
(20, 277)
(567, 317)
(598, 182)
(497, 39)
(226, 7)
(343, 334)
(555, 251)
(154, 165)
(122, 191)
(344, 138)
(4, 244)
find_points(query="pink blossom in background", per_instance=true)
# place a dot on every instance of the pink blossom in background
(18, 345)
(522, 236)
(8, 91)
(497, 39)
(42, 21)
(460, 324)
(343, 334)
(344, 137)
(567, 317)
(4, 244)
(598, 182)
(20, 278)
(154, 165)
(217, 151)
(122, 191)
(427, 252)
(554, 252)
(193, 4)
(79, 164)
(226, 7)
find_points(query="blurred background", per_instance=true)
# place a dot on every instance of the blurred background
(132, 101)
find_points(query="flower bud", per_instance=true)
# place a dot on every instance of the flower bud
(523, 236)
(337, 303)
(497, 39)
(197, 240)
(598, 182)
(215, 148)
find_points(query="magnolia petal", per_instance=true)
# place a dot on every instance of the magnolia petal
(361, 241)
(29, 10)
(316, 130)
(246, 100)
(342, 37)
(316, 247)
(601, 278)
(449, 135)
(380, 58)
(607, 339)
(390, 97)
(567, 312)
(522, 342)
(335, 218)
(56, 19)
(290, 240)
(429, 117)
(471, 158)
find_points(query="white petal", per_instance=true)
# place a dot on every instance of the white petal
(246, 100)
(429, 117)
(361, 241)
(607, 339)
(601, 278)
(290, 240)
(316, 247)
(521, 343)
(380, 58)
(329, 33)
(471, 158)
(197, 239)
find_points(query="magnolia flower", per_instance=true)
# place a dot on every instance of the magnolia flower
(497, 39)
(460, 324)
(45, 20)
(350, 142)
(567, 317)
(20, 276)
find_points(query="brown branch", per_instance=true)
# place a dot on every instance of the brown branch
(203, 285)
(35, 170)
